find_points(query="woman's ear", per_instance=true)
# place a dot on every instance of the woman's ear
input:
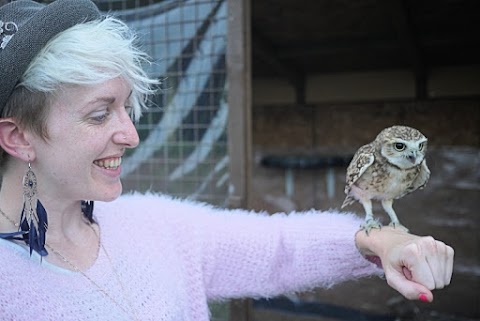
(13, 140)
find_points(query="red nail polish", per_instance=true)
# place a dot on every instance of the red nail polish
(423, 297)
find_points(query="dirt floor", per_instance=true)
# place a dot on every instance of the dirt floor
(447, 209)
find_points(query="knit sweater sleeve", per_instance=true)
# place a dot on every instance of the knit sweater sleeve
(264, 256)
(251, 254)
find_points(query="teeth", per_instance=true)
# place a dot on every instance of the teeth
(109, 163)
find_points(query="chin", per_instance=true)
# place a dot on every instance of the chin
(110, 199)
(111, 194)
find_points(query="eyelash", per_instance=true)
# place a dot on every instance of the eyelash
(101, 118)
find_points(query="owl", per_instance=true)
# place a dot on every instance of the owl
(390, 167)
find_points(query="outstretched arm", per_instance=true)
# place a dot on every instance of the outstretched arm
(413, 265)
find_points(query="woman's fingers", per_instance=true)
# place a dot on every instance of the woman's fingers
(449, 269)
(419, 267)
(413, 265)
(436, 258)
(409, 289)
(439, 258)
(414, 258)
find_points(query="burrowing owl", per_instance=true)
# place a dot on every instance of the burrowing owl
(390, 167)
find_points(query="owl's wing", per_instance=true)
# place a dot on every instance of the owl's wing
(421, 179)
(362, 159)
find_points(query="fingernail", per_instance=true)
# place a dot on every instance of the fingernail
(423, 297)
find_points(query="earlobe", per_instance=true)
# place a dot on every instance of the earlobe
(13, 140)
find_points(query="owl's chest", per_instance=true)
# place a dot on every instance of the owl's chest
(385, 181)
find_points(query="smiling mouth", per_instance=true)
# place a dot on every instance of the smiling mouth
(112, 163)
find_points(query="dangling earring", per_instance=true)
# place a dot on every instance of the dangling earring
(34, 218)
(87, 210)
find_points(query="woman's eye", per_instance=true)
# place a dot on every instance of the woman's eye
(100, 118)
(399, 146)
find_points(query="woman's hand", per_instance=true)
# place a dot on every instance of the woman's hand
(413, 265)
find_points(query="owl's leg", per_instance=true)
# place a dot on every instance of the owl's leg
(394, 222)
(370, 222)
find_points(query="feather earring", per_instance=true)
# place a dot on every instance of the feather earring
(87, 210)
(33, 220)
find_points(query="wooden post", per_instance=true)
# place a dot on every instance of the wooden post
(239, 101)
(239, 77)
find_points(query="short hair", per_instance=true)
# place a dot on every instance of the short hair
(85, 54)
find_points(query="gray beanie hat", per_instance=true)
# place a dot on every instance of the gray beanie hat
(26, 27)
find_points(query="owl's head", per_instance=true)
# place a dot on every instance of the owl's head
(402, 146)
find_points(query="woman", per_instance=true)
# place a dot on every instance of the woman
(71, 84)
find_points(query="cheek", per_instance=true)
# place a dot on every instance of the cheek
(422, 155)
(69, 155)
(389, 152)
(75, 140)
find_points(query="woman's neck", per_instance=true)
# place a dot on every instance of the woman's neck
(65, 217)
(69, 232)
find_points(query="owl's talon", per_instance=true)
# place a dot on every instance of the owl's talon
(396, 225)
(369, 224)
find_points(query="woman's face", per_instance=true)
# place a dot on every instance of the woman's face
(89, 129)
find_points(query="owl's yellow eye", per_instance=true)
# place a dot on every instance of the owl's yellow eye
(420, 146)
(399, 146)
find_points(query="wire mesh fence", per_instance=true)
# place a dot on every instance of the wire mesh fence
(183, 149)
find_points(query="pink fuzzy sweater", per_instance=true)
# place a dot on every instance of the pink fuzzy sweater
(172, 256)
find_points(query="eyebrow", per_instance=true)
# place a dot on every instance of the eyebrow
(107, 99)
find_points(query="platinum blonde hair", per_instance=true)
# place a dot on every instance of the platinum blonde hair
(85, 54)
(88, 54)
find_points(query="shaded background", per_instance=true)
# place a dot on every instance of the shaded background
(327, 77)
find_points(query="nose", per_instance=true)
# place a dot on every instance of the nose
(126, 134)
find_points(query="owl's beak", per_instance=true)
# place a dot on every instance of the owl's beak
(412, 157)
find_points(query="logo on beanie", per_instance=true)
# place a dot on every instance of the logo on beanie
(7, 30)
